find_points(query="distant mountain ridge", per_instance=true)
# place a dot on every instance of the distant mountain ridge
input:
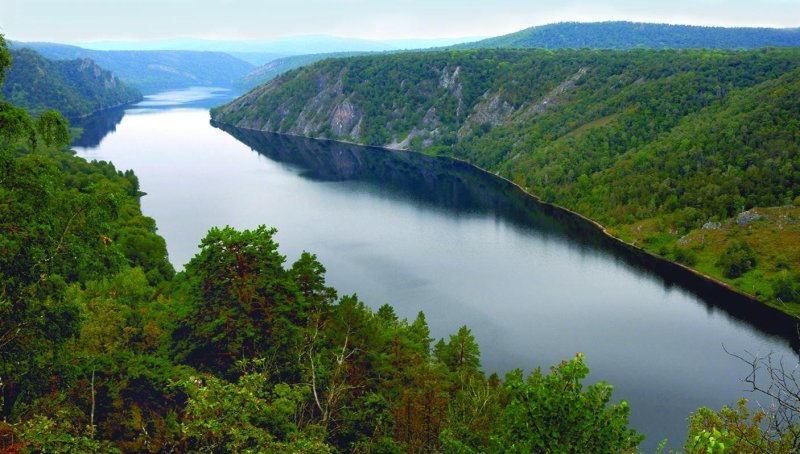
(76, 88)
(293, 45)
(154, 70)
(296, 45)
(618, 35)
(629, 35)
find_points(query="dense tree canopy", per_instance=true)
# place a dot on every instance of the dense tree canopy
(632, 35)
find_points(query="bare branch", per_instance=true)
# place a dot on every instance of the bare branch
(780, 383)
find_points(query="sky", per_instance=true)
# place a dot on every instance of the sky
(75, 21)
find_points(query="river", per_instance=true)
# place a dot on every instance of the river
(535, 285)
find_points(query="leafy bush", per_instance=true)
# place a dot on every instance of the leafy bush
(735, 430)
(685, 256)
(786, 288)
(737, 259)
(553, 413)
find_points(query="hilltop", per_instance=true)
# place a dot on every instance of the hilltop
(631, 35)
(576, 35)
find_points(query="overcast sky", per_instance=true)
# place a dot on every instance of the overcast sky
(142, 20)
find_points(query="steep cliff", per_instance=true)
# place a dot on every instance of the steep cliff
(425, 99)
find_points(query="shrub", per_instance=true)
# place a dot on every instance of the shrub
(685, 256)
(786, 288)
(737, 259)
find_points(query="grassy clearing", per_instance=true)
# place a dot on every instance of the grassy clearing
(774, 238)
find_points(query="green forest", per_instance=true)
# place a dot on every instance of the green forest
(76, 88)
(633, 35)
(689, 154)
(579, 35)
(105, 348)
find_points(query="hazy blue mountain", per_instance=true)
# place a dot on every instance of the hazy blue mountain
(264, 51)
(423, 43)
(278, 66)
(75, 87)
(311, 44)
(258, 58)
(629, 35)
(155, 70)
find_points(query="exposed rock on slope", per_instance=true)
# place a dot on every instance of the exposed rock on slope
(422, 109)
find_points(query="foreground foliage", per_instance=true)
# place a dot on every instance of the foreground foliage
(737, 430)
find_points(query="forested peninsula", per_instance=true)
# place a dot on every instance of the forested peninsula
(691, 155)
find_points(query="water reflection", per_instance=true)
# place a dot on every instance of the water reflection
(96, 127)
(99, 125)
(458, 187)
(195, 97)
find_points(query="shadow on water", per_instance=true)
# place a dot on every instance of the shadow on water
(453, 185)
(96, 127)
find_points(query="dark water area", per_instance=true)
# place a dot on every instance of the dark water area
(96, 127)
(457, 186)
(535, 284)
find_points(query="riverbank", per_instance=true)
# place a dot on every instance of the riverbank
(654, 253)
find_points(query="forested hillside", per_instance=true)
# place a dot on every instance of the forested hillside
(592, 35)
(154, 70)
(653, 144)
(76, 88)
(631, 35)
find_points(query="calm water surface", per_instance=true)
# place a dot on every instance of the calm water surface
(437, 236)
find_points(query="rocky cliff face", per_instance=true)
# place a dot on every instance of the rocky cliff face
(328, 110)
(419, 104)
